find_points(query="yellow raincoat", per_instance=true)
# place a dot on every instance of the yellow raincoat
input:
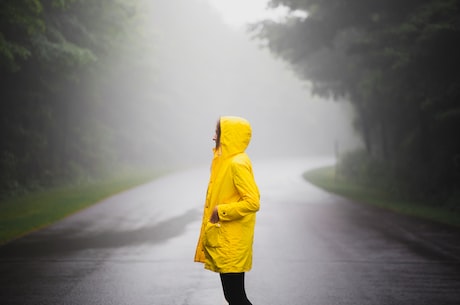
(226, 247)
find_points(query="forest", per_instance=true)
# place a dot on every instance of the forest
(54, 71)
(398, 63)
(63, 120)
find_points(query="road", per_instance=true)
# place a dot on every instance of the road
(311, 247)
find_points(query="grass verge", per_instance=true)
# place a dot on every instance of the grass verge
(326, 179)
(22, 215)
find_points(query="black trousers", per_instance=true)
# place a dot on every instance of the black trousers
(233, 286)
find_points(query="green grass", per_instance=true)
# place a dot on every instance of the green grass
(327, 179)
(22, 215)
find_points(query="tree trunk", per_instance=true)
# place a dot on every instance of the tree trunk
(365, 128)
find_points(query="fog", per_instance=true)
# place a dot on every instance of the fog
(193, 68)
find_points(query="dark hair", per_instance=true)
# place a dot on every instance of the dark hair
(218, 134)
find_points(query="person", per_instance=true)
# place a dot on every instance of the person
(229, 217)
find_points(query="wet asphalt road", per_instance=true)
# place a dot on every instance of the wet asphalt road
(310, 247)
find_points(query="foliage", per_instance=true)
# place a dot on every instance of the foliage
(19, 21)
(398, 64)
(51, 73)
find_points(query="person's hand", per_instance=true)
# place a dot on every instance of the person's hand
(214, 216)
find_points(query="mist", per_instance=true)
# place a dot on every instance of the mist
(192, 69)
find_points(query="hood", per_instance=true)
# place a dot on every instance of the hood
(235, 135)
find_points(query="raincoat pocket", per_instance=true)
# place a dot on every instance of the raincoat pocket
(212, 235)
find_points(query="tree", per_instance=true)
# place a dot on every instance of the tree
(395, 62)
(50, 52)
(19, 22)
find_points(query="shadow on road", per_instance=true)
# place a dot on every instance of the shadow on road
(67, 242)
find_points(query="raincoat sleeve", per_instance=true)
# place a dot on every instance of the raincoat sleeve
(249, 201)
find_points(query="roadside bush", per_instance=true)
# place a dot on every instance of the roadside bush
(402, 180)
(362, 168)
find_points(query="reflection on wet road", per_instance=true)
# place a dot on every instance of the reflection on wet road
(310, 247)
